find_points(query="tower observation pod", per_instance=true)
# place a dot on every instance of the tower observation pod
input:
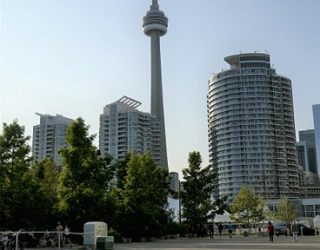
(155, 25)
(155, 21)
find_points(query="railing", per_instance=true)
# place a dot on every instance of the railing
(60, 236)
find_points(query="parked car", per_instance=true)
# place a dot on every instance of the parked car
(280, 229)
(306, 230)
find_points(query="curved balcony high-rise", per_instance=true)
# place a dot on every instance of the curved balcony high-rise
(251, 129)
(155, 25)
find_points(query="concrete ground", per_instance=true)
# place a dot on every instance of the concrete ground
(238, 242)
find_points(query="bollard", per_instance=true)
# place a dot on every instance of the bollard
(58, 240)
(17, 238)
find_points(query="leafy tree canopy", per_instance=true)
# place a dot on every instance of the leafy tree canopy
(196, 194)
(21, 199)
(142, 197)
(246, 208)
(84, 179)
(46, 175)
(14, 151)
(285, 211)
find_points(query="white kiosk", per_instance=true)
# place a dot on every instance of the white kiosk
(91, 230)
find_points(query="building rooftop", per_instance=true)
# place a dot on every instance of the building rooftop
(129, 101)
(234, 60)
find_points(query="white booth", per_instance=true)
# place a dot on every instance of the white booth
(91, 230)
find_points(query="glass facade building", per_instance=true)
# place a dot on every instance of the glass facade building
(316, 122)
(308, 137)
(302, 155)
(251, 129)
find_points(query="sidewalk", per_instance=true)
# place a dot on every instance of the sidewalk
(238, 242)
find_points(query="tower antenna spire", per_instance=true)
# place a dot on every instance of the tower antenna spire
(155, 4)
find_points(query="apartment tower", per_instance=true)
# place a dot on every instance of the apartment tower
(125, 129)
(49, 137)
(251, 129)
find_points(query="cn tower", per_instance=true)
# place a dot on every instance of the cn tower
(155, 24)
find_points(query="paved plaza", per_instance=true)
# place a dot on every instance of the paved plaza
(240, 242)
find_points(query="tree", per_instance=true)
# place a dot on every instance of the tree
(219, 206)
(122, 171)
(141, 198)
(196, 194)
(47, 176)
(14, 162)
(114, 209)
(285, 211)
(46, 172)
(84, 179)
(14, 151)
(21, 198)
(246, 208)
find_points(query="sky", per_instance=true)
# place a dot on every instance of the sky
(73, 57)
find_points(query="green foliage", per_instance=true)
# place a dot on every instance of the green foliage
(141, 198)
(173, 228)
(122, 171)
(27, 203)
(47, 176)
(219, 206)
(84, 178)
(14, 162)
(134, 202)
(14, 152)
(285, 211)
(117, 236)
(246, 208)
(22, 201)
(196, 194)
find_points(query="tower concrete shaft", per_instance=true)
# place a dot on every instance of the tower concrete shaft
(155, 24)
